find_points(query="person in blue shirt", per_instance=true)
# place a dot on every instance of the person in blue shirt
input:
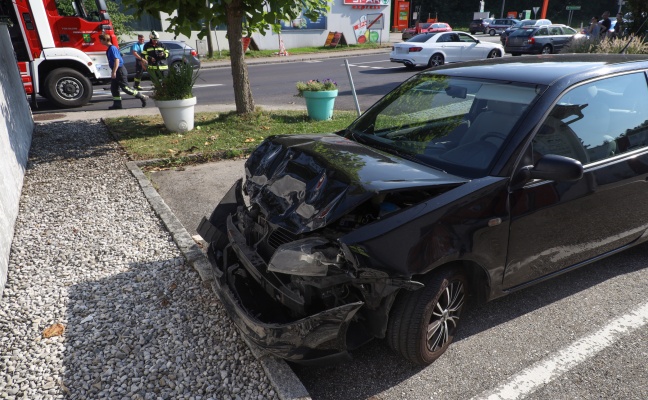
(140, 62)
(119, 76)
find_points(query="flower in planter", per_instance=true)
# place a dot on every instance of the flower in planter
(315, 86)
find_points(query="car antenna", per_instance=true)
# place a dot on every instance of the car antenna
(623, 50)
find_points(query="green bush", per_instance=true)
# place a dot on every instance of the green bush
(614, 45)
(177, 84)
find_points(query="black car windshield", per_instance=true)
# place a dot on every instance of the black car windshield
(455, 124)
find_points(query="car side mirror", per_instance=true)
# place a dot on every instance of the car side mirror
(556, 168)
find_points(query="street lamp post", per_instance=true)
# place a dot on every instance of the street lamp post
(503, 4)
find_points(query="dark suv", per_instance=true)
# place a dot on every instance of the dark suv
(479, 25)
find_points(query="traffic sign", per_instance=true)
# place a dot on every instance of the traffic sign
(573, 8)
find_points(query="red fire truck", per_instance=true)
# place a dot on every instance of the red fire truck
(56, 43)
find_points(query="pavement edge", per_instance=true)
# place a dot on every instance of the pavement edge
(284, 380)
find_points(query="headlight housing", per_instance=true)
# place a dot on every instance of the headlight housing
(306, 257)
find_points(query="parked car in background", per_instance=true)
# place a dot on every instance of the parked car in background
(466, 183)
(178, 52)
(525, 22)
(425, 27)
(434, 49)
(499, 25)
(479, 25)
(546, 39)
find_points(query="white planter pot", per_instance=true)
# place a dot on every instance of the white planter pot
(178, 115)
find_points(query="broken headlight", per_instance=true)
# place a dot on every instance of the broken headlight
(307, 257)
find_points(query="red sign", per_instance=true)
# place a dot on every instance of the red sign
(377, 3)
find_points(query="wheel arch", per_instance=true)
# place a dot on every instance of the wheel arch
(479, 283)
(46, 67)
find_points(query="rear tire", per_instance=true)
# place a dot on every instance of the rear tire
(436, 60)
(546, 49)
(422, 324)
(67, 88)
(177, 65)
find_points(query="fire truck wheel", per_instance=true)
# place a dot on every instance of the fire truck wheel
(67, 87)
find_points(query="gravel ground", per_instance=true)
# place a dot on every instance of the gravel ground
(92, 265)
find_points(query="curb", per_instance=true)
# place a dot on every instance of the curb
(303, 57)
(286, 383)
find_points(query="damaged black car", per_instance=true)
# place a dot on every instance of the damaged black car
(465, 183)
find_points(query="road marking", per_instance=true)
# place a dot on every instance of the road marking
(312, 61)
(545, 371)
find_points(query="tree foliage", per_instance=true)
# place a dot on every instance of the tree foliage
(242, 17)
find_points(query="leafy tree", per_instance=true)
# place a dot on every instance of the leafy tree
(241, 16)
(120, 21)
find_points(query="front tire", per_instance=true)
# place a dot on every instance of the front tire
(422, 324)
(67, 88)
(491, 32)
(436, 60)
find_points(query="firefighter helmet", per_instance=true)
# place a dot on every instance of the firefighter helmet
(154, 35)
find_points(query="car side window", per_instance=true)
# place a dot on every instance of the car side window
(466, 39)
(555, 31)
(542, 32)
(172, 46)
(597, 120)
(445, 38)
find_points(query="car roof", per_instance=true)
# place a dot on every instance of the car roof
(163, 41)
(544, 70)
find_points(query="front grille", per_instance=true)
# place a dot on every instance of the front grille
(280, 236)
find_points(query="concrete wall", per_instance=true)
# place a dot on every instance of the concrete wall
(342, 18)
(16, 128)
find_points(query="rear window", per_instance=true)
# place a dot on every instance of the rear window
(522, 32)
(422, 38)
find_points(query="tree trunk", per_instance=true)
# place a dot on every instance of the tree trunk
(242, 90)
(210, 46)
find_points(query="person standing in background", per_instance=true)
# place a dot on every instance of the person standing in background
(140, 62)
(606, 24)
(119, 75)
(594, 30)
(619, 27)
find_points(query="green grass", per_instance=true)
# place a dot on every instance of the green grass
(215, 135)
(224, 55)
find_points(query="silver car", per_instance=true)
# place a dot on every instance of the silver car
(178, 51)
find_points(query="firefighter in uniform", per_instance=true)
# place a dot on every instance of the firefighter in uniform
(119, 76)
(156, 55)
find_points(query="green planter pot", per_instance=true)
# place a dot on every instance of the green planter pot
(320, 104)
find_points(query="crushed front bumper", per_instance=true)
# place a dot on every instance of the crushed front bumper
(317, 338)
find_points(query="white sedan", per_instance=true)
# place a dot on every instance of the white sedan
(434, 49)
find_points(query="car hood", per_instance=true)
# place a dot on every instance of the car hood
(305, 182)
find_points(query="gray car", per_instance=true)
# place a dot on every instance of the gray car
(540, 39)
(178, 51)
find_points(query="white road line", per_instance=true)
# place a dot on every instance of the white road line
(545, 371)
